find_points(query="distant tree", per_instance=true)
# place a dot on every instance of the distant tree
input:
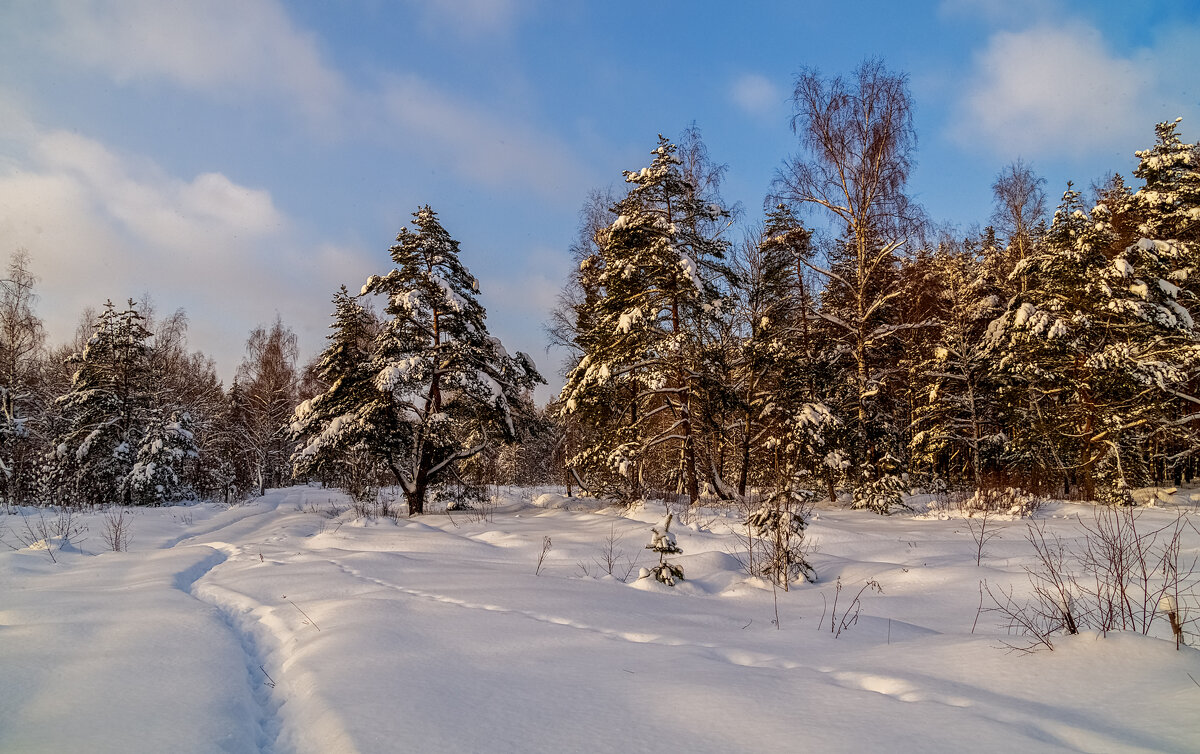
(1020, 213)
(267, 396)
(955, 420)
(22, 345)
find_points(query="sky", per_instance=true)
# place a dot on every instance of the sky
(242, 159)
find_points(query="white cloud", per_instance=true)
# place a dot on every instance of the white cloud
(103, 225)
(756, 95)
(250, 47)
(216, 46)
(1060, 90)
(478, 143)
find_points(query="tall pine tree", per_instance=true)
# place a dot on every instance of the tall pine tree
(437, 389)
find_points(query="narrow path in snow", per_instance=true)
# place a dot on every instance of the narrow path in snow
(237, 614)
(737, 657)
(241, 624)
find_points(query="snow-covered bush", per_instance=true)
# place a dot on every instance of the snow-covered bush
(881, 495)
(779, 524)
(1012, 501)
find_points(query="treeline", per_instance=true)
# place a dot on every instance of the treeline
(867, 353)
(1052, 352)
(126, 413)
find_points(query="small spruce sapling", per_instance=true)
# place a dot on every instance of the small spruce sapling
(663, 542)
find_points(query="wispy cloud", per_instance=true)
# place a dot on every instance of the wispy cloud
(999, 11)
(470, 18)
(478, 143)
(231, 48)
(222, 47)
(756, 95)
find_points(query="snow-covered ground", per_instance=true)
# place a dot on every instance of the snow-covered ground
(286, 624)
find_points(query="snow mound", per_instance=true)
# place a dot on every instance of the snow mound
(563, 502)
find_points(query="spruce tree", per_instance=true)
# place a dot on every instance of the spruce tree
(659, 271)
(1169, 202)
(156, 476)
(332, 440)
(105, 411)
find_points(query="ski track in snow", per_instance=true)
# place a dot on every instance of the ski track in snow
(741, 658)
(1053, 726)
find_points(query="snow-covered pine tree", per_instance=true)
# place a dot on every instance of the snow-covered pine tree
(1169, 202)
(332, 442)
(164, 448)
(1096, 350)
(440, 388)
(659, 276)
(1167, 208)
(105, 412)
(782, 375)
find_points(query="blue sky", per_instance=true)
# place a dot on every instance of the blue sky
(239, 158)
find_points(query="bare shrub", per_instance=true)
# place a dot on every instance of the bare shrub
(983, 530)
(385, 504)
(546, 545)
(612, 559)
(330, 511)
(1129, 578)
(117, 525)
(849, 615)
(47, 533)
(1131, 571)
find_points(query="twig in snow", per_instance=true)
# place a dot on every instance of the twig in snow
(542, 558)
(306, 616)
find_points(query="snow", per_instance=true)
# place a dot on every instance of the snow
(456, 302)
(397, 373)
(628, 319)
(287, 625)
(688, 265)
